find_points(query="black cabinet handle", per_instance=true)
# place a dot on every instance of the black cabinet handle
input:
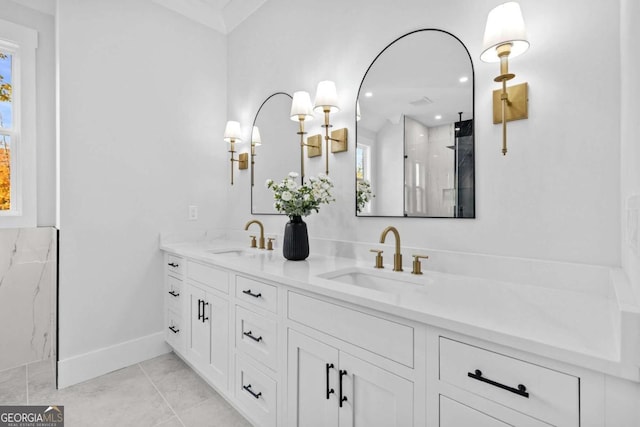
(520, 391)
(248, 292)
(248, 389)
(173, 264)
(200, 310)
(204, 316)
(174, 329)
(174, 293)
(342, 398)
(329, 390)
(250, 335)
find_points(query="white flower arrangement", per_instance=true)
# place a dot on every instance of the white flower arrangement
(363, 194)
(293, 199)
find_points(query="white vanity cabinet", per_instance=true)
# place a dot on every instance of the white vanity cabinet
(174, 326)
(288, 354)
(328, 386)
(207, 343)
(257, 347)
(481, 387)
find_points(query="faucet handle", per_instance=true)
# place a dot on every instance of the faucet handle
(378, 257)
(253, 241)
(270, 243)
(417, 266)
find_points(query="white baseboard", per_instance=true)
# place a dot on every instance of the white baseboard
(90, 365)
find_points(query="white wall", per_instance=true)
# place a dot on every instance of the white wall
(554, 196)
(45, 105)
(142, 106)
(630, 125)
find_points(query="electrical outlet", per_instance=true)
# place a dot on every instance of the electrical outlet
(193, 213)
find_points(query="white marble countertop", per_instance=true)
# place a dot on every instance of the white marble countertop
(580, 328)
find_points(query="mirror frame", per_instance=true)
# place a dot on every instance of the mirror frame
(473, 105)
(255, 119)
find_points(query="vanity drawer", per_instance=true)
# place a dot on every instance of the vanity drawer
(174, 265)
(381, 336)
(257, 293)
(553, 396)
(173, 295)
(174, 332)
(256, 393)
(256, 336)
(207, 275)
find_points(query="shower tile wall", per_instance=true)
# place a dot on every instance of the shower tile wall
(27, 295)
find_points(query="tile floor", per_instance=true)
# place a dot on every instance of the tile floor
(162, 391)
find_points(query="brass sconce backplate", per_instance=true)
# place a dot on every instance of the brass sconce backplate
(243, 161)
(314, 146)
(518, 106)
(339, 140)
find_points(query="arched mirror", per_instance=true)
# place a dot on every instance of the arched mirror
(277, 154)
(415, 130)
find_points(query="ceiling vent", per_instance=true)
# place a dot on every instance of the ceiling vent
(421, 102)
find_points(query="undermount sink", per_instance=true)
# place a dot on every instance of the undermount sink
(233, 252)
(386, 281)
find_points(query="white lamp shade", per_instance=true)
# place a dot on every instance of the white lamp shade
(504, 25)
(358, 116)
(301, 106)
(326, 96)
(232, 131)
(255, 136)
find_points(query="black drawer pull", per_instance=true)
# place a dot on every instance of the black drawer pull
(250, 335)
(342, 397)
(200, 309)
(520, 391)
(248, 292)
(174, 329)
(248, 389)
(204, 316)
(329, 390)
(174, 293)
(173, 264)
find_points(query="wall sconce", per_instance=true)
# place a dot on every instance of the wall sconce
(256, 141)
(327, 102)
(301, 111)
(505, 36)
(232, 135)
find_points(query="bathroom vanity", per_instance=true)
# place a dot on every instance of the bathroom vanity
(332, 341)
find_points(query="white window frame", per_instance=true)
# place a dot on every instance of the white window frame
(21, 42)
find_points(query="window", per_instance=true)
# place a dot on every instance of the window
(6, 127)
(17, 125)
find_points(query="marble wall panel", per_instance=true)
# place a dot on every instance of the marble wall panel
(27, 295)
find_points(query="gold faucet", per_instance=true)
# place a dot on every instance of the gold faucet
(397, 258)
(261, 241)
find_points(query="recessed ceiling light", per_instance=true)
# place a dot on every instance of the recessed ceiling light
(422, 134)
(438, 117)
(368, 94)
(463, 79)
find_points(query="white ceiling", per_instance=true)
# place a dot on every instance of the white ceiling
(221, 15)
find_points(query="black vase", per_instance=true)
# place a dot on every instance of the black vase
(296, 240)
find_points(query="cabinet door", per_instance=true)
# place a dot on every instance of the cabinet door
(375, 397)
(198, 333)
(217, 310)
(455, 414)
(311, 379)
